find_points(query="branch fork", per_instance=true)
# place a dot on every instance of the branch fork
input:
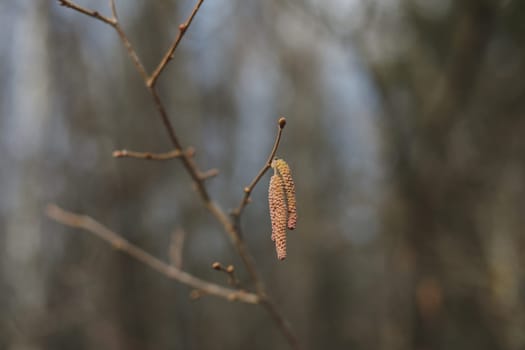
(230, 223)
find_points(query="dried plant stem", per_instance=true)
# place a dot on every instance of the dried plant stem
(169, 54)
(87, 12)
(147, 155)
(230, 223)
(248, 189)
(119, 243)
(131, 51)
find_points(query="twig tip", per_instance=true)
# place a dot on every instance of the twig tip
(120, 153)
(51, 210)
(282, 122)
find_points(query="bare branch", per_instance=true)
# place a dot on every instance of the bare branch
(115, 24)
(205, 175)
(248, 190)
(186, 161)
(169, 54)
(230, 224)
(118, 242)
(131, 51)
(88, 12)
(113, 7)
(150, 156)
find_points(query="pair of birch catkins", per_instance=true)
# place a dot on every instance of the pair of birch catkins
(283, 211)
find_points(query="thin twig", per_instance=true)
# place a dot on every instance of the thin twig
(230, 224)
(87, 12)
(113, 7)
(169, 54)
(131, 51)
(113, 22)
(147, 155)
(230, 272)
(234, 233)
(118, 242)
(186, 161)
(204, 175)
(248, 190)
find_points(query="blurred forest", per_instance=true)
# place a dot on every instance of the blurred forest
(406, 135)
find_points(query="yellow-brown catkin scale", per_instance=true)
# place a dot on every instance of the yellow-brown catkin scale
(278, 211)
(284, 171)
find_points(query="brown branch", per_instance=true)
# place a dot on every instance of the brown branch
(113, 22)
(118, 242)
(230, 224)
(131, 51)
(248, 190)
(186, 161)
(113, 7)
(169, 54)
(87, 12)
(204, 175)
(147, 155)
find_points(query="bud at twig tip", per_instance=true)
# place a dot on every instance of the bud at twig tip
(282, 122)
(120, 153)
(230, 268)
(216, 266)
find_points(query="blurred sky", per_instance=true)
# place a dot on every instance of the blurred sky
(45, 161)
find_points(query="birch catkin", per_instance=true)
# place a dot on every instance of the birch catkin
(289, 187)
(278, 211)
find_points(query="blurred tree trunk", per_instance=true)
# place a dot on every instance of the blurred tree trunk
(440, 276)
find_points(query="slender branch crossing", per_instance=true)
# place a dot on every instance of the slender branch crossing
(230, 223)
(171, 271)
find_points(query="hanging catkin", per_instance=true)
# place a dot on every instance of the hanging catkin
(278, 211)
(284, 171)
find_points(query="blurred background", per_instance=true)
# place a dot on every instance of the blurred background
(406, 136)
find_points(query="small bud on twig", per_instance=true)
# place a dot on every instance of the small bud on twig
(282, 122)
